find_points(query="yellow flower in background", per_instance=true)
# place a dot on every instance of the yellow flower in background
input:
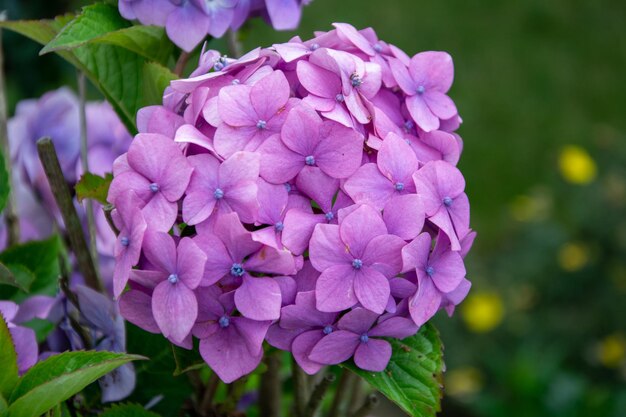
(463, 381)
(573, 256)
(612, 350)
(576, 165)
(482, 311)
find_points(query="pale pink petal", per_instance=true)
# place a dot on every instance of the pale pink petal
(175, 309)
(335, 348)
(334, 289)
(371, 289)
(373, 355)
(258, 298)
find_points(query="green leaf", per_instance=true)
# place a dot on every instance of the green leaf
(186, 360)
(94, 21)
(3, 405)
(5, 188)
(41, 258)
(8, 359)
(127, 410)
(59, 377)
(102, 23)
(119, 73)
(17, 276)
(93, 186)
(413, 377)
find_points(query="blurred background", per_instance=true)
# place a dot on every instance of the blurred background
(541, 89)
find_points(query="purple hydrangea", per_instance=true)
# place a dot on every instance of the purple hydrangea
(189, 22)
(321, 187)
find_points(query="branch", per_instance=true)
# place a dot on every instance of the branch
(371, 402)
(341, 392)
(234, 45)
(269, 391)
(181, 63)
(300, 385)
(10, 213)
(61, 192)
(318, 395)
(84, 159)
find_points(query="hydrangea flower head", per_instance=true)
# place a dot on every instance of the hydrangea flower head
(325, 214)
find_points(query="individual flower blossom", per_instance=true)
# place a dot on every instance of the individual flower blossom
(231, 345)
(356, 259)
(106, 327)
(251, 114)
(176, 270)
(426, 81)
(440, 272)
(189, 22)
(391, 175)
(357, 336)
(132, 226)
(23, 338)
(222, 187)
(233, 253)
(440, 186)
(301, 327)
(274, 203)
(158, 173)
(308, 142)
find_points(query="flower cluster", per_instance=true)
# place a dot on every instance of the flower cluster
(56, 115)
(305, 194)
(188, 22)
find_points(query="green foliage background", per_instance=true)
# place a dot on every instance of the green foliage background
(531, 77)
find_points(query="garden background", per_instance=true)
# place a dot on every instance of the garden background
(540, 86)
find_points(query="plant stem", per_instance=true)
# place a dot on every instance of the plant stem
(209, 394)
(300, 385)
(181, 63)
(107, 215)
(61, 192)
(370, 403)
(84, 159)
(270, 389)
(318, 394)
(340, 393)
(357, 394)
(234, 45)
(10, 213)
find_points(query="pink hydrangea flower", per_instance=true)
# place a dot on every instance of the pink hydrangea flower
(312, 190)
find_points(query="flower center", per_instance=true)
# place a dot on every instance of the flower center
(279, 226)
(224, 322)
(329, 216)
(421, 90)
(339, 98)
(447, 201)
(328, 329)
(261, 124)
(364, 338)
(356, 80)
(124, 241)
(409, 125)
(357, 264)
(236, 81)
(314, 46)
(173, 278)
(154, 187)
(237, 270)
(220, 63)
(287, 187)
(309, 160)
(378, 47)
(218, 194)
(430, 271)
(399, 186)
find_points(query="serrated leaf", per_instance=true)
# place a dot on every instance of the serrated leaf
(59, 377)
(41, 258)
(413, 377)
(8, 359)
(117, 72)
(94, 21)
(93, 186)
(102, 23)
(5, 187)
(186, 360)
(127, 410)
(17, 276)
